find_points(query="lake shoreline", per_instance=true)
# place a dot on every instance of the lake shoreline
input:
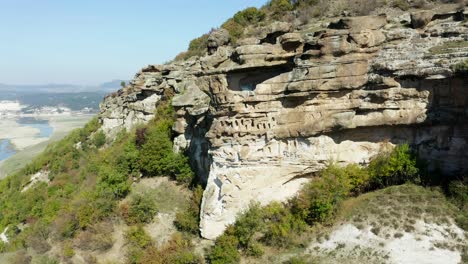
(28, 145)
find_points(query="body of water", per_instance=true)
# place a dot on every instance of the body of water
(6, 150)
(45, 131)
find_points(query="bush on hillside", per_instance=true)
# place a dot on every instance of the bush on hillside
(137, 242)
(178, 250)
(458, 193)
(395, 167)
(461, 68)
(141, 209)
(279, 8)
(249, 16)
(188, 220)
(96, 237)
(197, 47)
(99, 139)
(225, 250)
(156, 157)
(236, 30)
(246, 225)
(319, 198)
(281, 226)
(110, 179)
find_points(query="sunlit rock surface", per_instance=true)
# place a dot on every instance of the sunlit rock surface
(258, 118)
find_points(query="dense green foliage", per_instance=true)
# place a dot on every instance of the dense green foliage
(197, 47)
(396, 167)
(278, 8)
(99, 139)
(156, 156)
(248, 16)
(236, 25)
(225, 251)
(87, 178)
(141, 209)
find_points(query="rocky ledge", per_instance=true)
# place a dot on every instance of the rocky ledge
(258, 119)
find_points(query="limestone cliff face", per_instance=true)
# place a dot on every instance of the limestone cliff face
(256, 118)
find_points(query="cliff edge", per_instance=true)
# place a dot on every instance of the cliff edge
(259, 117)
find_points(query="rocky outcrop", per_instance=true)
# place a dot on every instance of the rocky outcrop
(258, 118)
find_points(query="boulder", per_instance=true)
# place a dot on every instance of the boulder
(421, 19)
(217, 38)
(193, 99)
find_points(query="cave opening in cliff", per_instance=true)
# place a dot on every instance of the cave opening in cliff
(248, 79)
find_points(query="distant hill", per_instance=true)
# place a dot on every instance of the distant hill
(112, 85)
(106, 87)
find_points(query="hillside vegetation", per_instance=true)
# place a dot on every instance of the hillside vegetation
(247, 23)
(92, 192)
(90, 199)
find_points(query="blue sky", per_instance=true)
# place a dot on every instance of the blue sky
(92, 41)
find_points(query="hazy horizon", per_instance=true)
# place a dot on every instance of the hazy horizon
(89, 42)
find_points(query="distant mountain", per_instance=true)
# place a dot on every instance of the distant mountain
(46, 88)
(112, 85)
(106, 87)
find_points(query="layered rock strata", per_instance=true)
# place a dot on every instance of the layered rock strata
(258, 118)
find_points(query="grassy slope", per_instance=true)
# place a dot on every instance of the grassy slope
(383, 219)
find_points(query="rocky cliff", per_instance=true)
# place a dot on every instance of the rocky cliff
(259, 118)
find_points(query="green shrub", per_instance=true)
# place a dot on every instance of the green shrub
(178, 250)
(67, 250)
(279, 8)
(112, 180)
(137, 241)
(461, 68)
(247, 224)
(97, 237)
(273, 225)
(458, 194)
(396, 167)
(157, 157)
(188, 220)
(99, 139)
(319, 199)
(197, 47)
(249, 16)
(137, 236)
(281, 226)
(65, 226)
(37, 238)
(225, 250)
(236, 30)
(142, 209)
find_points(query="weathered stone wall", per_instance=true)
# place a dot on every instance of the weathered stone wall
(255, 118)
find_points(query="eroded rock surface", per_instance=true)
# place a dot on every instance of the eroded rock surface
(256, 118)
